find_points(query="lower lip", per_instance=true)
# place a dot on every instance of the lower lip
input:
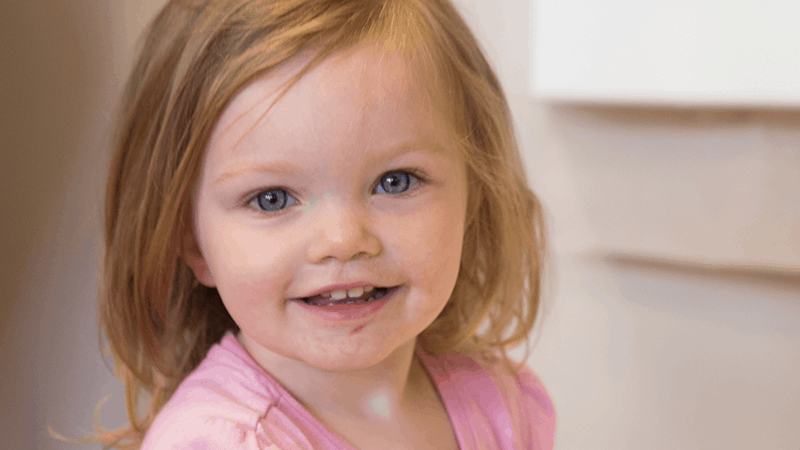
(345, 312)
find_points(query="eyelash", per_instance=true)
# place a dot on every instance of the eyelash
(413, 174)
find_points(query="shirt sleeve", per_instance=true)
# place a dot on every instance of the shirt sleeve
(181, 429)
(199, 433)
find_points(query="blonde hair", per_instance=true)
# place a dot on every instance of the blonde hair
(159, 321)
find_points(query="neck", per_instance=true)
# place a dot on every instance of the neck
(379, 393)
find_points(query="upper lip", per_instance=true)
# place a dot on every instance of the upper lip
(340, 287)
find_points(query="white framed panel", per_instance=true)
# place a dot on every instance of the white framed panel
(681, 52)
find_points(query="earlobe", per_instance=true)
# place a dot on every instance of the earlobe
(194, 259)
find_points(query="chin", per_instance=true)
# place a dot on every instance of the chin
(348, 358)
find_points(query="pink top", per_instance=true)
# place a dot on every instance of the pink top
(230, 402)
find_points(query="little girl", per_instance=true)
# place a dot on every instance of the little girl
(319, 234)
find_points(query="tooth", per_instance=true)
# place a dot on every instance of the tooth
(355, 292)
(339, 295)
(367, 288)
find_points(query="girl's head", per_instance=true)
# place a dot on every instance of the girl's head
(345, 181)
(271, 148)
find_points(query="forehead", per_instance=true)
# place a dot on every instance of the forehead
(371, 70)
(372, 81)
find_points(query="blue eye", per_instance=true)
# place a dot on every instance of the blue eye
(272, 200)
(396, 182)
(393, 183)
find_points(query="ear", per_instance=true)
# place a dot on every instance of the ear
(194, 259)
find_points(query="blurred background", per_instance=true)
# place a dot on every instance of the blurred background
(672, 301)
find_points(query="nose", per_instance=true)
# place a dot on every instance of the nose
(342, 231)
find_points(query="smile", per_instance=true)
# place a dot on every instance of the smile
(351, 297)
(349, 309)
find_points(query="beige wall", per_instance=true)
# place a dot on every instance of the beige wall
(704, 186)
(673, 295)
(62, 64)
(637, 354)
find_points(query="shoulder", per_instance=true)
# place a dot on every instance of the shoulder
(527, 400)
(477, 372)
(518, 401)
(217, 406)
(203, 431)
(532, 388)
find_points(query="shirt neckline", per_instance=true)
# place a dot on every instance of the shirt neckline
(431, 366)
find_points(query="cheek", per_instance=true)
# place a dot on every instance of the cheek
(428, 245)
(247, 265)
(241, 250)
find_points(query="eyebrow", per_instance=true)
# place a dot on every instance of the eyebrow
(285, 167)
(277, 168)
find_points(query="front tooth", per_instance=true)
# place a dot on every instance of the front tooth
(339, 295)
(355, 292)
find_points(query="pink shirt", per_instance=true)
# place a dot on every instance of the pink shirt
(230, 402)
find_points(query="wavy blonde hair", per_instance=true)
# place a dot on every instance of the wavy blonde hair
(158, 320)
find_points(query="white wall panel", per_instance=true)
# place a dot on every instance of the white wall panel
(685, 52)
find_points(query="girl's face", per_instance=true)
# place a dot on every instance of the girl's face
(344, 181)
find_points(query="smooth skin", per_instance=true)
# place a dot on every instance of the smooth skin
(325, 154)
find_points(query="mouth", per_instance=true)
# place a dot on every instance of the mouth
(367, 297)
(337, 313)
